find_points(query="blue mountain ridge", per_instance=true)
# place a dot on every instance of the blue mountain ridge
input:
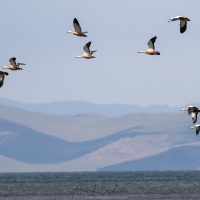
(24, 144)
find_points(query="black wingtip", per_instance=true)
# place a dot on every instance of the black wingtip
(183, 29)
(153, 39)
(89, 43)
(75, 20)
(13, 58)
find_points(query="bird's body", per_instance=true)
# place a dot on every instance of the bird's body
(77, 29)
(151, 48)
(197, 127)
(2, 76)
(87, 53)
(183, 22)
(193, 111)
(13, 65)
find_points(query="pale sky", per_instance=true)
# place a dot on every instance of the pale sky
(35, 32)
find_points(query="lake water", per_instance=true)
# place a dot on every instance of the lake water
(101, 185)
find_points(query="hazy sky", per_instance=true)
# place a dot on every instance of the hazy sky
(35, 32)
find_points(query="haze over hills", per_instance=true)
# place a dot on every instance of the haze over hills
(30, 146)
(83, 107)
(31, 141)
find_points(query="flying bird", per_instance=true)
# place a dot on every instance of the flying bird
(193, 111)
(13, 65)
(2, 76)
(183, 22)
(197, 127)
(87, 53)
(151, 47)
(77, 29)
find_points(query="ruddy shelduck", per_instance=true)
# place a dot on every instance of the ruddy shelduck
(87, 53)
(193, 111)
(77, 29)
(183, 22)
(13, 65)
(151, 47)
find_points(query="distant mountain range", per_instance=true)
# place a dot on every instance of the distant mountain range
(83, 107)
(34, 141)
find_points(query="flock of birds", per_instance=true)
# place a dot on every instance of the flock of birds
(192, 110)
(88, 54)
(151, 47)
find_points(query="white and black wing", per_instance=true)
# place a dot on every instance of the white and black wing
(86, 48)
(151, 43)
(183, 25)
(174, 18)
(13, 62)
(194, 117)
(77, 26)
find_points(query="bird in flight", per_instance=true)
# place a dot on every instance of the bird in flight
(193, 111)
(13, 65)
(183, 22)
(87, 53)
(151, 47)
(77, 29)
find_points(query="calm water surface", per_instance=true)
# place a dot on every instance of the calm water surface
(100, 185)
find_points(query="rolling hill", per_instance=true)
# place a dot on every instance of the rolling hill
(33, 141)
